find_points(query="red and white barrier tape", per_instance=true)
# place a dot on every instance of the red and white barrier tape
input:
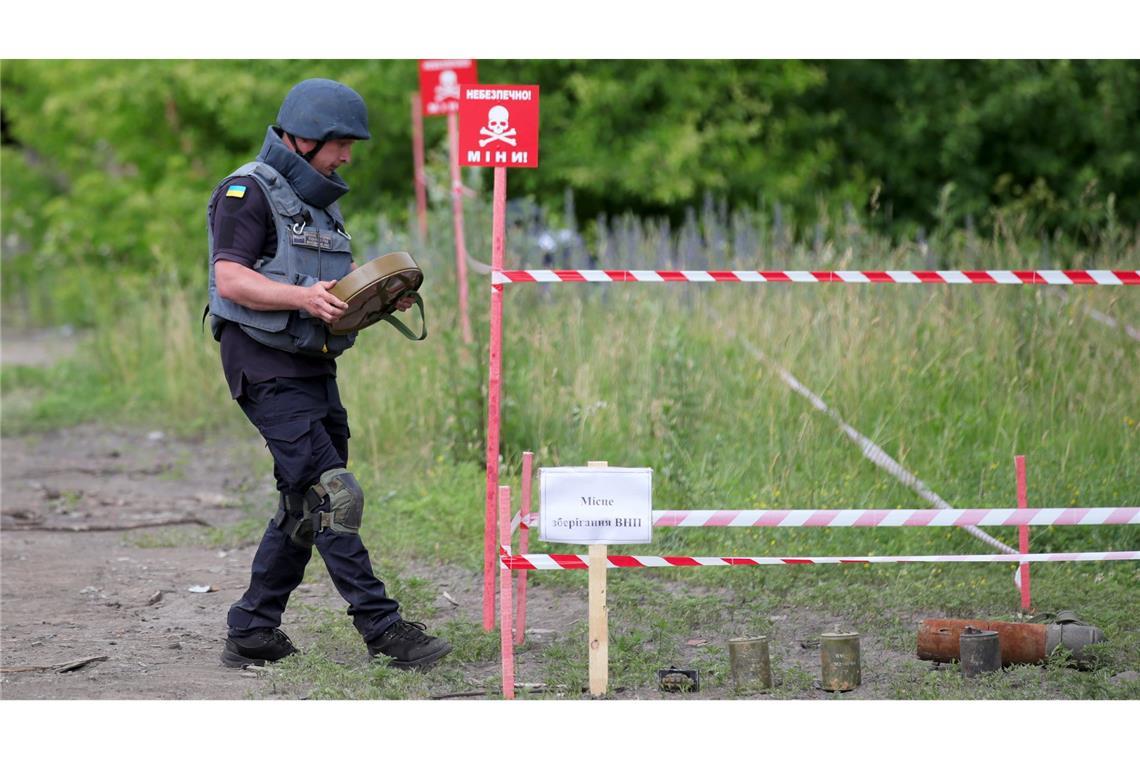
(890, 518)
(615, 561)
(899, 277)
(880, 518)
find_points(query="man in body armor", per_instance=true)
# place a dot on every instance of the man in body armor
(277, 246)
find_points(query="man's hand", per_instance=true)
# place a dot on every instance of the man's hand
(320, 303)
(405, 303)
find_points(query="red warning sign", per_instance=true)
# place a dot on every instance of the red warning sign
(498, 125)
(440, 80)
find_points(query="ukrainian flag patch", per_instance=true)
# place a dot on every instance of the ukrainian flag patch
(236, 191)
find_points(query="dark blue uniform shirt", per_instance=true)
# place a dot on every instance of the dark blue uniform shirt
(244, 231)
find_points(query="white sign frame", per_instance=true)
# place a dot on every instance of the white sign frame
(596, 505)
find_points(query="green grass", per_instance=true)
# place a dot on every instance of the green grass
(1054, 680)
(953, 382)
(335, 666)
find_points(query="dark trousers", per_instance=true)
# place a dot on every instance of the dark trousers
(306, 430)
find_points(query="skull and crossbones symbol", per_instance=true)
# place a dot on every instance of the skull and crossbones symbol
(448, 85)
(498, 121)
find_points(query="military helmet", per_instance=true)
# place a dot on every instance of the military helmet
(322, 110)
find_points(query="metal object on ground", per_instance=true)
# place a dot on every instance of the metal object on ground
(678, 680)
(372, 290)
(751, 668)
(938, 639)
(1021, 643)
(839, 661)
(1068, 632)
(980, 651)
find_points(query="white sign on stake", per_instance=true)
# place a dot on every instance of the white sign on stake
(588, 505)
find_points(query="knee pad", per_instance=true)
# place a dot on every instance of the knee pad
(345, 500)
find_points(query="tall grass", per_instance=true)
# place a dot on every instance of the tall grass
(952, 381)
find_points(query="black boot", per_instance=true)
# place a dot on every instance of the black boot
(261, 646)
(408, 646)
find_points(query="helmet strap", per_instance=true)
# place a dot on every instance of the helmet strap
(307, 156)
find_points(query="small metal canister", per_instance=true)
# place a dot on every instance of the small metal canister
(751, 668)
(979, 651)
(839, 661)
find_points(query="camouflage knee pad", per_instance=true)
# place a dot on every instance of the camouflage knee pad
(345, 502)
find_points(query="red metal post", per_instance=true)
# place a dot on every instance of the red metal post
(457, 213)
(494, 389)
(506, 638)
(524, 542)
(418, 162)
(1023, 531)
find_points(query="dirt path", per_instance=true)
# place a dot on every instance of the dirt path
(72, 595)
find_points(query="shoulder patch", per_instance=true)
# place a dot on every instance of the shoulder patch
(235, 191)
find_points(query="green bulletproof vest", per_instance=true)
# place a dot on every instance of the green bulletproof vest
(312, 245)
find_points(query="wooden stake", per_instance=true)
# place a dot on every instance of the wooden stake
(599, 621)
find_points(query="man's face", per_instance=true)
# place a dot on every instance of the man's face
(331, 156)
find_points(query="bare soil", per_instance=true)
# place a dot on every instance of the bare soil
(71, 595)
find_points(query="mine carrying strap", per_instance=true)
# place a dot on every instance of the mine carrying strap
(404, 329)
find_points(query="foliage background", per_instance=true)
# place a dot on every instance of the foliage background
(107, 164)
